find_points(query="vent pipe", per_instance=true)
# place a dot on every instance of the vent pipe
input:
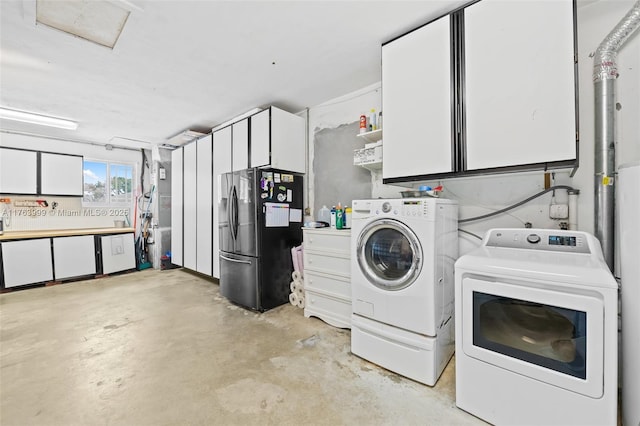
(605, 72)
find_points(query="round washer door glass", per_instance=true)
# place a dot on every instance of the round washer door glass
(389, 254)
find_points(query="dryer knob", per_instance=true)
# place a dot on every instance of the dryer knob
(386, 207)
(533, 238)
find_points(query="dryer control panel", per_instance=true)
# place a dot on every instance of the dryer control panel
(540, 239)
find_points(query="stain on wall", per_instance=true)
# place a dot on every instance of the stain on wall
(336, 179)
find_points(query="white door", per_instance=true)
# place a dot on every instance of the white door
(519, 82)
(190, 208)
(176, 207)
(204, 202)
(416, 100)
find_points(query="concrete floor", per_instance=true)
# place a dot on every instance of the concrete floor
(164, 348)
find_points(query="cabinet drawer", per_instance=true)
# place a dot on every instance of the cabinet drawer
(331, 310)
(331, 263)
(332, 285)
(330, 240)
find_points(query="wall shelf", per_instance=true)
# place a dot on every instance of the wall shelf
(372, 136)
(371, 166)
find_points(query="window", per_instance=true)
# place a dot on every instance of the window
(108, 183)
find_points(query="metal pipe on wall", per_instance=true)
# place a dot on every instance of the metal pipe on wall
(605, 72)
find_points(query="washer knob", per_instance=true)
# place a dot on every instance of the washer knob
(386, 207)
(533, 238)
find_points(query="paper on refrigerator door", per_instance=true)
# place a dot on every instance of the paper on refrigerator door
(276, 215)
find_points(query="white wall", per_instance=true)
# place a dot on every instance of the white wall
(479, 195)
(88, 216)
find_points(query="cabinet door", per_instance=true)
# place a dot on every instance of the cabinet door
(18, 171)
(176, 207)
(190, 215)
(74, 256)
(118, 253)
(61, 174)
(26, 262)
(288, 141)
(204, 195)
(416, 100)
(260, 139)
(519, 80)
(240, 152)
(221, 164)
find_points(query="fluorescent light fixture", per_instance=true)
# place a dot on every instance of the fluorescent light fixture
(42, 120)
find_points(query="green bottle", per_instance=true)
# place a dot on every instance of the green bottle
(339, 217)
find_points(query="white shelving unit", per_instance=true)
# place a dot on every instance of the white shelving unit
(375, 164)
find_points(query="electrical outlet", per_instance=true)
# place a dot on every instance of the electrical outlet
(559, 211)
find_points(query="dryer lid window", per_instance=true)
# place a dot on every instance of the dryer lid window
(389, 254)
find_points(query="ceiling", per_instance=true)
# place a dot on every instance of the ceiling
(181, 65)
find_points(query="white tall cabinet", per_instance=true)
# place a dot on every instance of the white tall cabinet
(189, 195)
(221, 164)
(176, 207)
(204, 205)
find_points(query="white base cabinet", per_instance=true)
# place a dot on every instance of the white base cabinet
(118, 253)
(327, 275)
(74, 256)
(26, 262)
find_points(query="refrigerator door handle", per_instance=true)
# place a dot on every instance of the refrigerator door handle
(235, 213)
(230, 213)
(234, 260)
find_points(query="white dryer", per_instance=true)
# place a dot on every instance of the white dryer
(536, 330)
(403, 252)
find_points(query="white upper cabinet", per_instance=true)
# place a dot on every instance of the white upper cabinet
(278, 140)
(18, 171)
(489, 88)
(519, 83)
(61, 174)
(261, 139)
(222, 151)
(416, 100)
(240, 143)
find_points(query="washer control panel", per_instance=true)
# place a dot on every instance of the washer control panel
(540, 239)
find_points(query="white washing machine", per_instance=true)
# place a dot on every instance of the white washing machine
(403, 252)
(536, 330)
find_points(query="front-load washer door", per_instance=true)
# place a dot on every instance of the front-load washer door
(389, 254)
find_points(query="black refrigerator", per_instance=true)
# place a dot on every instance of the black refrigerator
(260, 220)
